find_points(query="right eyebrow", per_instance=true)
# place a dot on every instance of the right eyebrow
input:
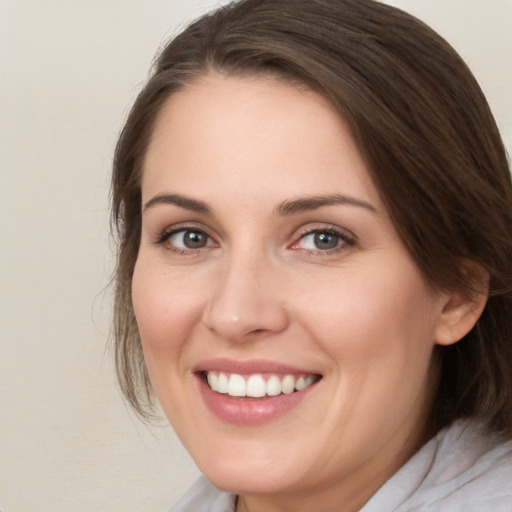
(178, 200)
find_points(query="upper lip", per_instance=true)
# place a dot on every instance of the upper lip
(252, 366)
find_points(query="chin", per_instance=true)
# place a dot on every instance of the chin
(246, 478)
(250, 467)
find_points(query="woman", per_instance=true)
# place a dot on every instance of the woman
(314, 207)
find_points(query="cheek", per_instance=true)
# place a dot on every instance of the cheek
(378, 333)
(167, 310)
(166, 307)
(367, 318)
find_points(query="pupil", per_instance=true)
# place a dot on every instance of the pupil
(326, 241)
(194, 239)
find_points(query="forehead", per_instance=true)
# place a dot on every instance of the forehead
(248, 103)
(233, 129)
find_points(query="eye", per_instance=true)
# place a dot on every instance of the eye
(320, 240)
(185, 239)
(189, 239)
(326, 240)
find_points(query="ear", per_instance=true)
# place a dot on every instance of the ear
(462, 307)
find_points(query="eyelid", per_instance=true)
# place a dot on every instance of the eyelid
(347, 237)
(173, 229)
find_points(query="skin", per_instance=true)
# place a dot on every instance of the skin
(361, 315)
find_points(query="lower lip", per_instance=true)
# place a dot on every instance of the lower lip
(250, 411)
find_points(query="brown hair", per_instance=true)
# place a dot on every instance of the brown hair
(428, 137)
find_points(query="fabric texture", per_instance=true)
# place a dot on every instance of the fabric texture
(461, 469)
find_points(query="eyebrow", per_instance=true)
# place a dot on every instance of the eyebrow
(178, 200)
(288, 207)
(302, 204)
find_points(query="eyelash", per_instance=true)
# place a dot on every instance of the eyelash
(167, 234)
(345, 239)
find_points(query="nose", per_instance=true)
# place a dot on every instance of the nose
(245, 303)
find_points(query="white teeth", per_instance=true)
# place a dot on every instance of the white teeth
(304, 382)
(213, 381)
(288, 384)
(256, 386)
(273, 386)
(300, 384)
(237, 385)
(222, 383)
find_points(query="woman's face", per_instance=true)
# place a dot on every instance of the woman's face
(268, 265)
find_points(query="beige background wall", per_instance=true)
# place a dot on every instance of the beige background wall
(69, 69)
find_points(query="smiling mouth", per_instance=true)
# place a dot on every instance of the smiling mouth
(257, 385)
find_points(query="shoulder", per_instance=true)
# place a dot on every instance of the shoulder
(462, 469)
(204, 497)
(472, 471)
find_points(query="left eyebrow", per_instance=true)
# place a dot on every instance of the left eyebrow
(292, 206)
